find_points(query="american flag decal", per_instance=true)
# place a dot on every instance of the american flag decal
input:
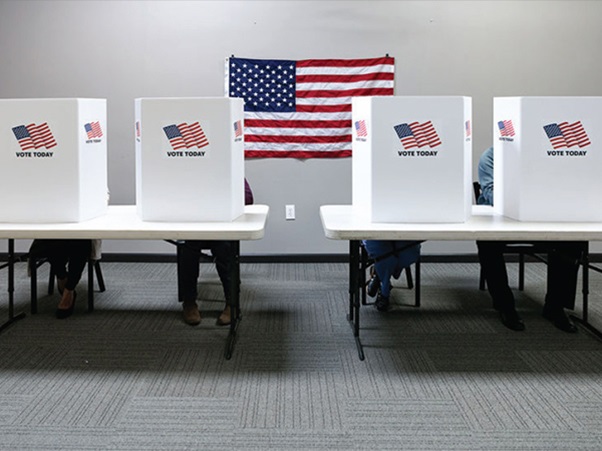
(138, 129)
(93, 130)
(360, 129)
(237, 129)
(34, 136)
(567, 135)
(467, 129)
(506, 128)
(417, 135)
(184, 136)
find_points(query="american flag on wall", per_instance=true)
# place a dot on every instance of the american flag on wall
(302, 109)
(93, 130)
(34, 136)
(185, 136)
(417, 135)
(567, 135)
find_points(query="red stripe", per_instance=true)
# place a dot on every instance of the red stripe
(347, 93)
(297, 154)
(344, 108)
(265, 123)
(332, 78)
(346, 63)
(298, 139)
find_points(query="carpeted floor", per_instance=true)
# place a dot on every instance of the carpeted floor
(445, 376)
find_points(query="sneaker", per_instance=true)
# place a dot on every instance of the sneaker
(191, 313)
(373, 286)
(382, 303)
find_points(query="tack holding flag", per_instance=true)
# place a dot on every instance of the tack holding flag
(184, 136)
(416, 134)
(34, 136)
(93, 130)
(567, 135)
(506, 128)
(302, 109)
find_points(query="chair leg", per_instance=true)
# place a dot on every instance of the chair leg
(50, 281)
(410, 282)
(33, 271)
(90, 286)
(521, 271)
(99, 277)
(417, 294)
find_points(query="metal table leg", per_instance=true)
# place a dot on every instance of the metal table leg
(12, 318)
(235, 313)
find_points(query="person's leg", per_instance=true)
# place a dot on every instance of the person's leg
(384, 267)
(223, 264)
(563, 267)
(407, 254)
(491, 258)
(77, 253)
(188, 275)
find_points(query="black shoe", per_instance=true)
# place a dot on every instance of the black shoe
(559, 318)
(382, 303)
(373, 286)
(511, 320)
(66, 313)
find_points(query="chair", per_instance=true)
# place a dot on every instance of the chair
(367, 263)
(521, 249)
(35, 260)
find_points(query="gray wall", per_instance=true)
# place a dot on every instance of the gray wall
(128, 49)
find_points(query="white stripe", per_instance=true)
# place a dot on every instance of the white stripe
(324, 101)
(299, 116)
(388, 68)
(275, 131)
(297, 146)
(344, 86)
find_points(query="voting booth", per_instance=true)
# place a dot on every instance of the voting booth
(412, 158)
(189, 159)
(547, 158)
(53, 160)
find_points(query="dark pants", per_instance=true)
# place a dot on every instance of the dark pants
(67, 258)
(563, 266)
(188, 266)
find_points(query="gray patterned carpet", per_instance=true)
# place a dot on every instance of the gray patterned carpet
(445, 376)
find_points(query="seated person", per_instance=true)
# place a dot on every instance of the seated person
(390, 257)
(67, 259)
(563, 265)
(188, 272)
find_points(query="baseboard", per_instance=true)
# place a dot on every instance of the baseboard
(303, 258)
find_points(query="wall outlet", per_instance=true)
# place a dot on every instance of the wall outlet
(289, 212)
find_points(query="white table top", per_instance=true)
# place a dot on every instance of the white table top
(340, 222)
(122, 222)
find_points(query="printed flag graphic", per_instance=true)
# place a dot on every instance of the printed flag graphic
(184, 136)
(567, 135)
(467, 129)
(93, 130)
(417, 135)
(237, 129)
(34, 136)
(506, 128)
(360, 129)
(137, 129)
(302, 109)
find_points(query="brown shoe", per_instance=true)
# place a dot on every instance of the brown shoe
(191, 313)
(224, 319)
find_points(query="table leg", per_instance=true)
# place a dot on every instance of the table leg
(11, 288)
(584, 321)
(354, 294)
(235, 313)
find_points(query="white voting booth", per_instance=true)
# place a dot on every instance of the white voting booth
(189, 159)
(412, 158)
(53, 159)
(548, 158)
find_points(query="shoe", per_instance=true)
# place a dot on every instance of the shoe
(225, 317)
(511, 320)
(382, 303)
(191, 313)
(373, 286)
(66, 313)
(559, 318)
(60, 285)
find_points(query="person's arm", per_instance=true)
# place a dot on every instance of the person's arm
(248, 194)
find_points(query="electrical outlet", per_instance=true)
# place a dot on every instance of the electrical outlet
(289, 212)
